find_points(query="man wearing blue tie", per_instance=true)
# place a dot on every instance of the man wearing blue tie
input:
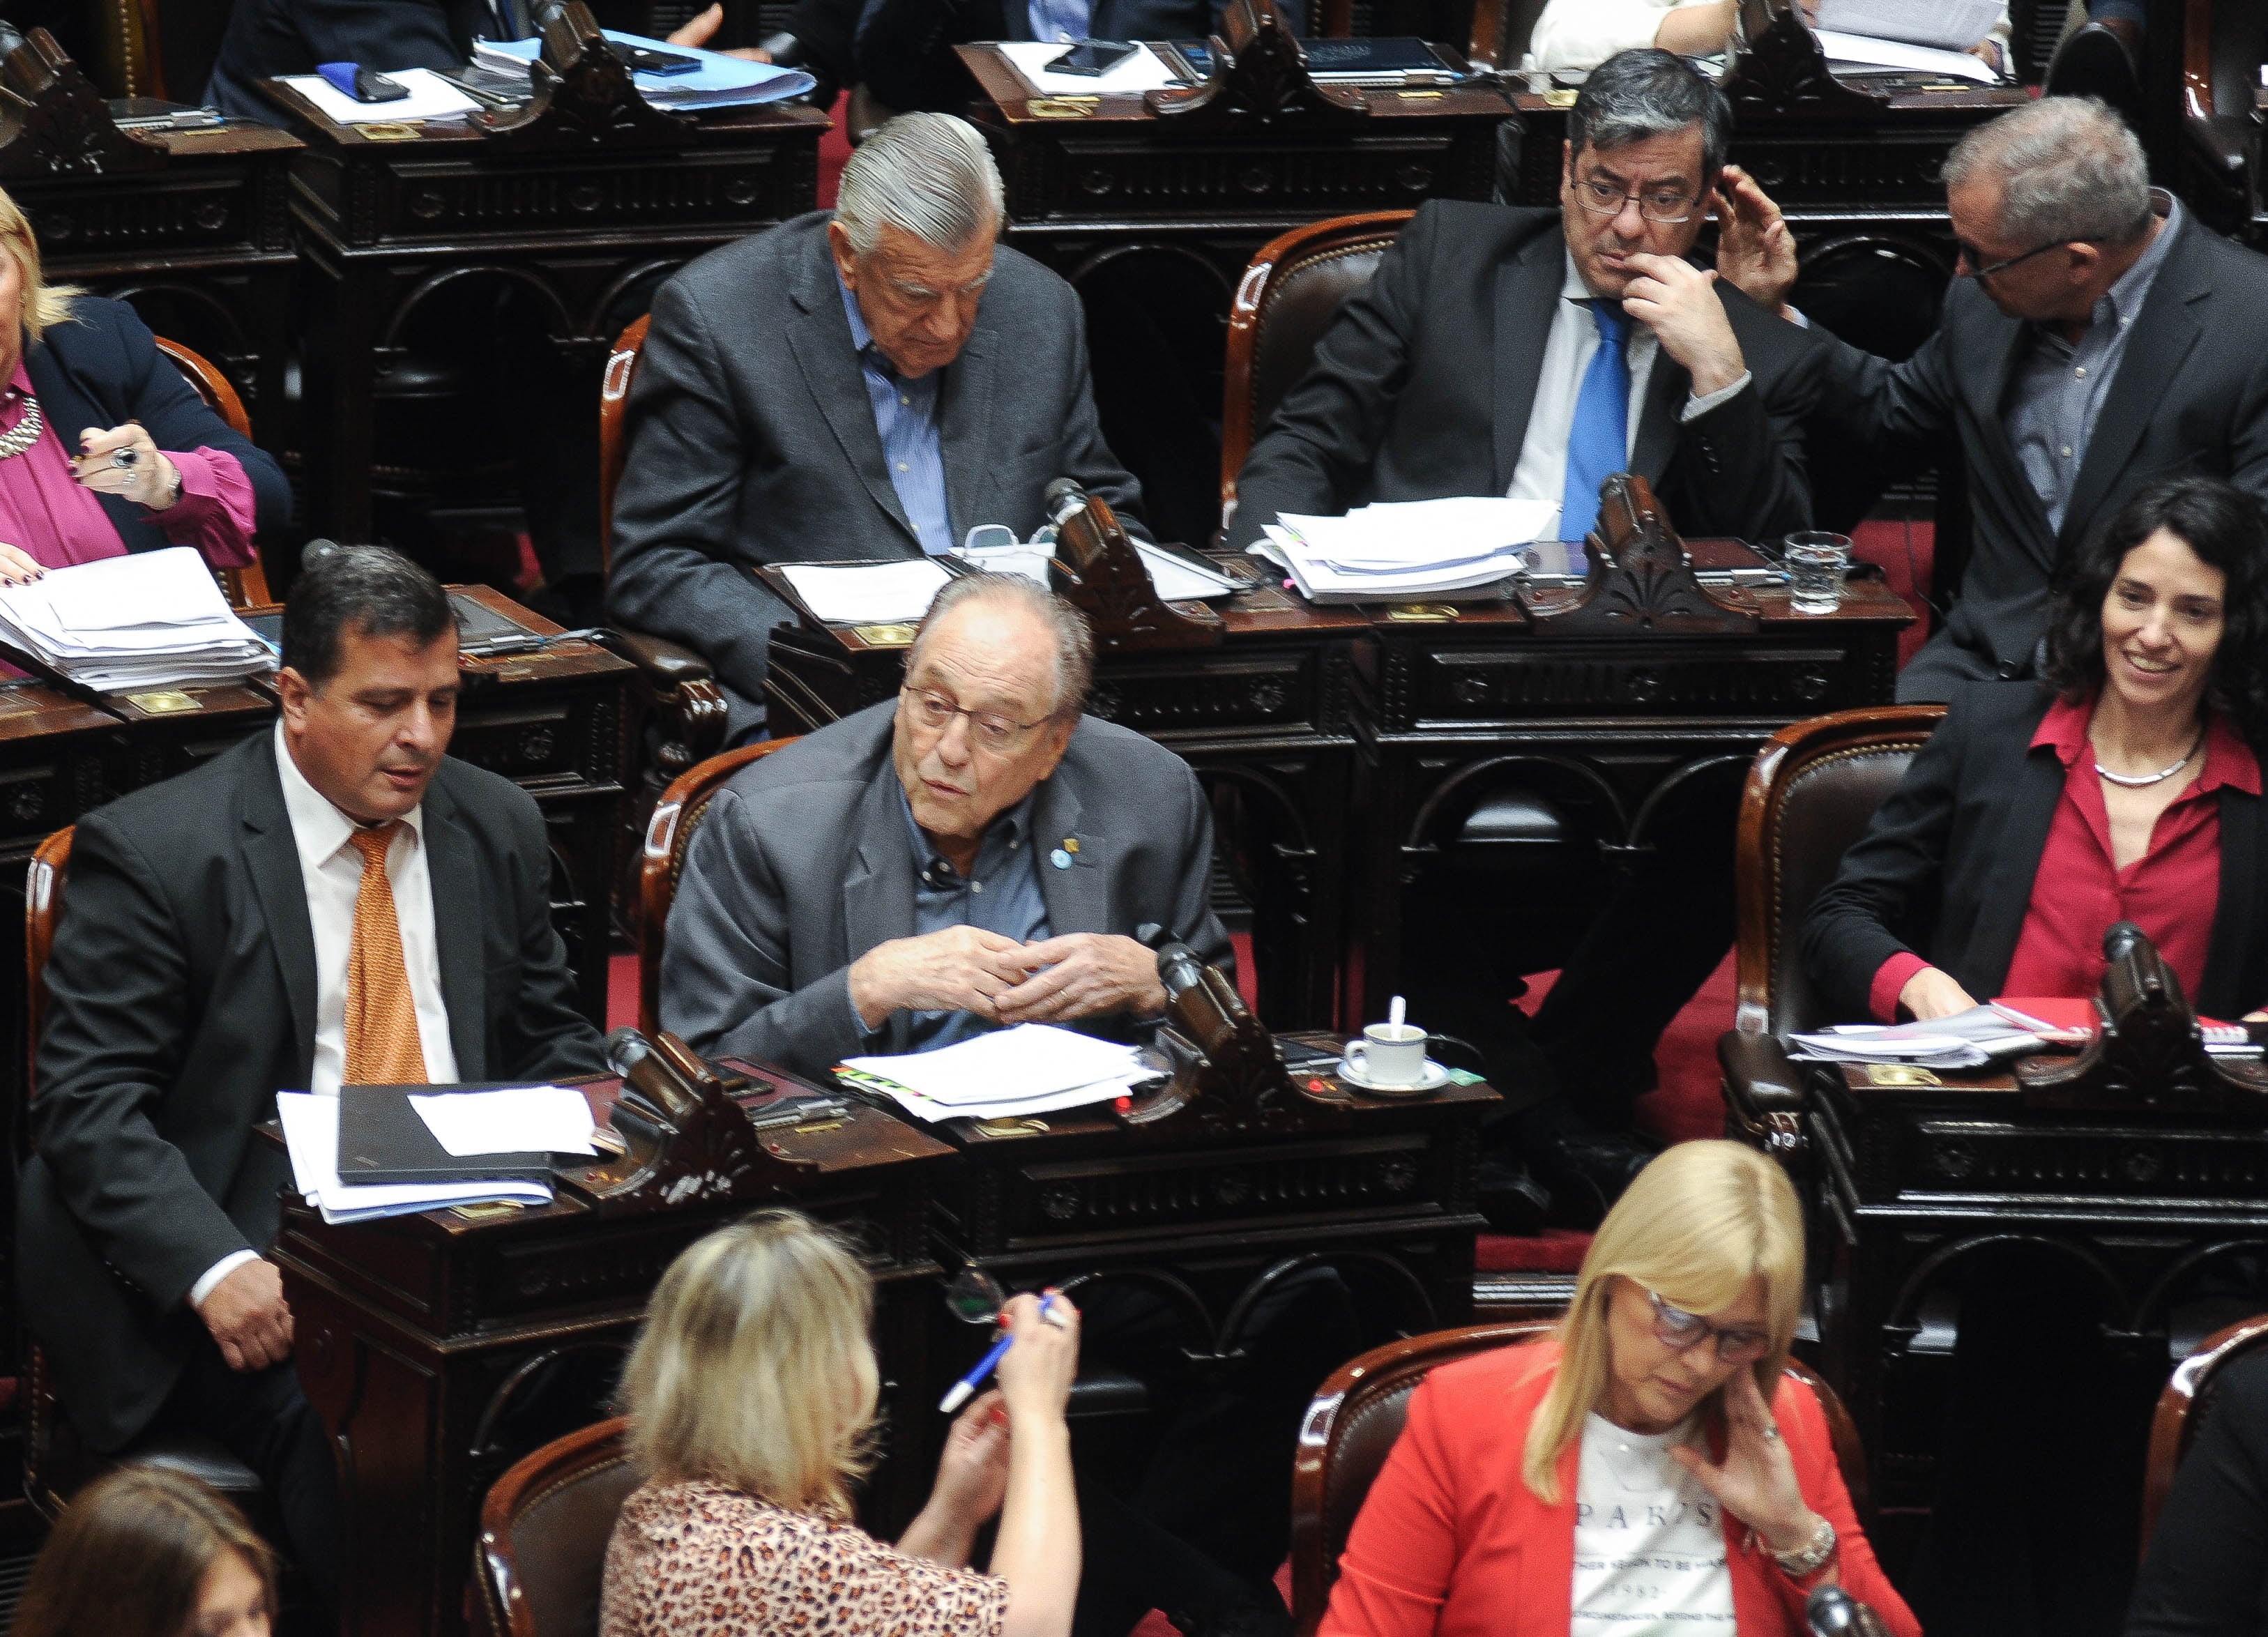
(1534, 353)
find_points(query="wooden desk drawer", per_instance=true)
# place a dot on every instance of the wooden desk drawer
(1477, 686)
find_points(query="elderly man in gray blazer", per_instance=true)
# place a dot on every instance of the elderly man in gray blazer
(977, 853)
(868, 386)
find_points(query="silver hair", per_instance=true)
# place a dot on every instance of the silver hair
(928, 175)
(1643, 92)
(1074, 643)
(2068, 169)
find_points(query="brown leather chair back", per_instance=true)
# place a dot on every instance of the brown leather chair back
(542, 1551)
(1290, 293)
(2183, 1406)
(1811, 792)
(130, 54)
(668, 833)
(247, 587)
(1357, 1413)
(613, 400)
(1501, 29)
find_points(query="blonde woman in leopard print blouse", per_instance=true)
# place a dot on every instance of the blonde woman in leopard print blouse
(751, 1394)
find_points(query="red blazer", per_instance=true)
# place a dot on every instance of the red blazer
(1451, 1542)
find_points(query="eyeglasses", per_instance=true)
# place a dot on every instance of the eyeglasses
(1674, 1327)
(1966, 252)
(992, 729)
(1662, 205)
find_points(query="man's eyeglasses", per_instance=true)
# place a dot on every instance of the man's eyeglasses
(1674, 1327)
(1662, 205)
(992, 729)
(1977, 267)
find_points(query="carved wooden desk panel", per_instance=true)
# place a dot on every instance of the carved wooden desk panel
(1264, 719)
(387, 227)
(440, 1350)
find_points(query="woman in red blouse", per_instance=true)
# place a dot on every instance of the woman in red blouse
(2127, 788)
(1649, 1468)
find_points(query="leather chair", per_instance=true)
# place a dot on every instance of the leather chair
(2217, 157)
(1290, 293)
(541, 1555)
(676, 708)
(1356, 1414)
(1811, 792)
(2183, 1406)
(661, 860)
(130, 59)
(1501, 29)
(57, 1463)
(247, 587)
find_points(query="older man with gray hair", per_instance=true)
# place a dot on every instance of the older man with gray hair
(868, 385)
(2096, 337)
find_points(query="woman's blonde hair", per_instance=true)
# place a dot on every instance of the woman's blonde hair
(1700, 1222)
(44, 304)
(755, 1368)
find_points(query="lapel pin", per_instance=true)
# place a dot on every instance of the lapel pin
(1060, 859)
(1071, 843)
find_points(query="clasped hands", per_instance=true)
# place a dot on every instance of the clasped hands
(966, 969)
(148, 479)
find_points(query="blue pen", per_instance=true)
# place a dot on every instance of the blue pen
(962, 1391)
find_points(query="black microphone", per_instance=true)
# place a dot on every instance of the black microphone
(648, 1074)
(1179, 968)
(1062, 500)
(2119, 941)
(10, 37)
(1834, 1612)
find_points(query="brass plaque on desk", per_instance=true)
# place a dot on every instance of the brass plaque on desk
(395, 130)
(170, 702)
(1060, 107)
(894, 636)
(1900, 1074)
(1421, 613)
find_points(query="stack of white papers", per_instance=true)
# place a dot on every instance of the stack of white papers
(517, 1119)
(869, 593)
(1907, 36)
(1033, 1069)
(1463, 547)
(431, 98)
(1966, 1040)
(719, 82)
(310, 1136)
(1144, 70)
(147, 620)
(1175, 579)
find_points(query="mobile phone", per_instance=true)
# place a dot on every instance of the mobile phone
(362, 83)
(646, 60)
(1092, 57)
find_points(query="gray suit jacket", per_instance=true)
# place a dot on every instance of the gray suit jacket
(751, 440)
(803, 863)
(2191, 395)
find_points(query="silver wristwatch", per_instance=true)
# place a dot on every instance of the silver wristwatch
(1809, 1558)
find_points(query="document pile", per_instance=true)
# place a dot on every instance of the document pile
(1034, 1068)
(150, 620)
(1462, 548)
(310, 1136)
(1966, 1040)
(1176, 575)
(1907, 36)
(868, 594)
(718, 82)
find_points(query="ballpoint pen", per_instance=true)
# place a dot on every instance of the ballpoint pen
(962, 1391)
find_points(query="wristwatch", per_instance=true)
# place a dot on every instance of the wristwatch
(1809, 1558)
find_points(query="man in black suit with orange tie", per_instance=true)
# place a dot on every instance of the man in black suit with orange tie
(271, 921)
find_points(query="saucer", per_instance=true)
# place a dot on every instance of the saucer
(1434, 1078)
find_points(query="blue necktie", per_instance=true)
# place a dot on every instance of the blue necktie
(1598, 444)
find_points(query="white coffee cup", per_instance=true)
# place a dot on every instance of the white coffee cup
(1389, 1054)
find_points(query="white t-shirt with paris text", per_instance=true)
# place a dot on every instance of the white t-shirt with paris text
(1649, 1541)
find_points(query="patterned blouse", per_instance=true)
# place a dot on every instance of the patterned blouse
(696, 1559)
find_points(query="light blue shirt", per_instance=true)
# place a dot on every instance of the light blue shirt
(1061, 19)
(906, 415)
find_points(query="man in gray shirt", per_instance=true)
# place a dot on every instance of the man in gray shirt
(2096, 337)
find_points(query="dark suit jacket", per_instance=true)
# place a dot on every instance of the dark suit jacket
(1945, 870)
(2191, 395)
(181, 998)
(267, 38)
(1422, 389)
(804, 862)
(2206, 1572)
(905, 46)
(102, 369)
(751, 440)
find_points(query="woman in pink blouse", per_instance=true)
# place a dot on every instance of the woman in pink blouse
(104, 447)
(751, 1395)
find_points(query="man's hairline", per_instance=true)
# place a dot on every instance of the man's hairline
(1055, 709)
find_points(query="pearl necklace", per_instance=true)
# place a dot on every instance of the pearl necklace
(2142, 781)
(25, 432)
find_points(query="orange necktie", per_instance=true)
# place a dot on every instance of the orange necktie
(383, 1048)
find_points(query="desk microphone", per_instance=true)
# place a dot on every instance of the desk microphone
(2119, 941)
(1062, 500)
(1834, 1612)
(649, 1077)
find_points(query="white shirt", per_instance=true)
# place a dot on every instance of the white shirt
(330, 869)
(1650, 1557)
(1583, 33)
(1542, 474)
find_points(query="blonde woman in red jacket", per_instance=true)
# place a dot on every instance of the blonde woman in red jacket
(1648, 1469)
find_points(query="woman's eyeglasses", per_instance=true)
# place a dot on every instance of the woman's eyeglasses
(1674, 1327)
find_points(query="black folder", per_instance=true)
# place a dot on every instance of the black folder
(383, 1138)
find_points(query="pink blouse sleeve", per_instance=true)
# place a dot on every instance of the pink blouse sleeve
(215, 512)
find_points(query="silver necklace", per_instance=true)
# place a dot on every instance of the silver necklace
(25, 432)
(2134, 781)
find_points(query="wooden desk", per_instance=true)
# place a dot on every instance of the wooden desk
(390, 226)
(1262, 718)
(1152, 215)
(440, 1350)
